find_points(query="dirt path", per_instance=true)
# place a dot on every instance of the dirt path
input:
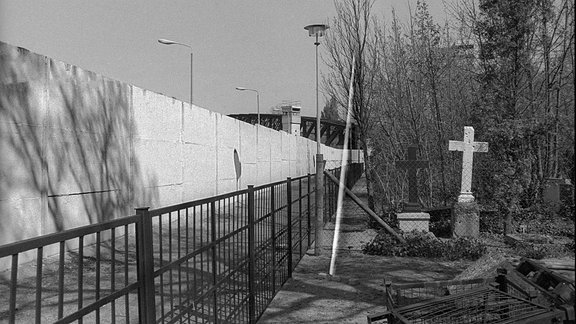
(356, 290)
(312, 297)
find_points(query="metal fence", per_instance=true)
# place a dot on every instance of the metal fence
(219, 259)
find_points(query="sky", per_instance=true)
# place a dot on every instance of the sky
(258, 44)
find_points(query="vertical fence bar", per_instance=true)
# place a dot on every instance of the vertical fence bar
(98, 257)
(13, 285)
(309, 211)
(145, 264)
(179, 253)
(61, 280)
(214, 272)
(113, 273)
(273, 234)
(126, 300)
(39, 284)
(251, 256)
(300, 218)
(80, 274)
(289, 211)
(169, 272)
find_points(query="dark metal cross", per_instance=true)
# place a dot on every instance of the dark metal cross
(412, 165)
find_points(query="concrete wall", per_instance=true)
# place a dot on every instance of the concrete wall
(78, 148)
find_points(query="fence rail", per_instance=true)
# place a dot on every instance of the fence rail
(219, 259)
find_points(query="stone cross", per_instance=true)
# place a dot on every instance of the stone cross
(468, 147)
(412, 165)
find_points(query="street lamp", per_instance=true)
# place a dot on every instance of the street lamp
(170, 42)
(317, 30)
(257, 99)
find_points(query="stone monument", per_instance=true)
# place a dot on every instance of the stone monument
(412, 217)
(466, 214)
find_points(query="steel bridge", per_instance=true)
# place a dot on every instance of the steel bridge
(332, 133)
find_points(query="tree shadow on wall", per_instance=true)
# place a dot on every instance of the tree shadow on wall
(66, 137)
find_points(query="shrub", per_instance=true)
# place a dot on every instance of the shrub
(570, 246)
(530, 251)
(464, 248)
(421, 244)
(441, 228)
(545, 219)
(440, 222)
(491, 221)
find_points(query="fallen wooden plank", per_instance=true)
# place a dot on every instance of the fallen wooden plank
(369, 211)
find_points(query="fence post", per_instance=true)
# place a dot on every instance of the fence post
(309, 209)
(319, 204)
(251, 256)
(145, 264)
(289, 211)
(299, 218)
(273, 231)
(214, 263)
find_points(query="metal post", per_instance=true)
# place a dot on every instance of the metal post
(318, 135)
(309, 211)
(251, 258)
(502, 281)
(289, 211)
(273, 233)
(191, 77)
(145, 267)
(214, 256)
(258, 105)
(319, 204)
(300, 218)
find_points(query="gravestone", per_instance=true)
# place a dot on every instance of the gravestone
(468, 147)
(412, 217)
(466, 214)
(558, 191)
(412, 164)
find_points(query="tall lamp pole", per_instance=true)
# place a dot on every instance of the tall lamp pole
(318, 30)
(257, 99)
(170, 42)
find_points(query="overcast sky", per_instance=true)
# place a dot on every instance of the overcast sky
(258, 44)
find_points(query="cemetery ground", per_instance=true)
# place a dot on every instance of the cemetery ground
(357, 287)
(311, 295)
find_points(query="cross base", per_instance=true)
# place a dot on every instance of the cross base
(465, 220)
(465, 197)
(412, 207)
(418, 221)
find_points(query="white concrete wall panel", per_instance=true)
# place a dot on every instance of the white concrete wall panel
(228, 140)
(199, 126)
(264, 155)
(248, 154)
(276, 171)
(156, 117)
(79, 148)
(161, 162)
(199, 170)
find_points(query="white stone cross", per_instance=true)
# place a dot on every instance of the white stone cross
(468, 147)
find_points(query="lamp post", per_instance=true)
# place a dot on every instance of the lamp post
(257, 99)
(170, 42)
(318, 30)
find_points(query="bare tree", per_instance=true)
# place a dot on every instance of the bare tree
(352, 33)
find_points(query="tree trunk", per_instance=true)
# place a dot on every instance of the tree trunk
(368, 174)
